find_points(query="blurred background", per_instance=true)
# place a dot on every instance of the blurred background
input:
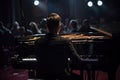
(25, 10)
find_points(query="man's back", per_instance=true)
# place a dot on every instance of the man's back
(52, 54)
(53, 51)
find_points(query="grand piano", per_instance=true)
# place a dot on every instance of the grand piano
(90, 46)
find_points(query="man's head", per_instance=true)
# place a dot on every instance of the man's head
(54, 23)
(73, 23)
(86, 22)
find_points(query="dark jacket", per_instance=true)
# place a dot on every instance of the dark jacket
(52, 53)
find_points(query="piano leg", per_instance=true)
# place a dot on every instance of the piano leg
(90, 72)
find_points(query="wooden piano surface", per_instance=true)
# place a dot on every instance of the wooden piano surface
(74, 37)
(89, 39)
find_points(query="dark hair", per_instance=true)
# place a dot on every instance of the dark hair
(73, 23)
(53, 21)
(86, 22)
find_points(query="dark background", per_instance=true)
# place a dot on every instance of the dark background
(24, 10)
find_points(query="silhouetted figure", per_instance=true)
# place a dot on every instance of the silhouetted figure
(7, 43)
(34, 28)
(74, 25)
(65, 27)
(3, 29)
(15, 29)
(53, 52)
(42, 26)
(85, 28)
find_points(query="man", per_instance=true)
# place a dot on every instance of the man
(53, 51)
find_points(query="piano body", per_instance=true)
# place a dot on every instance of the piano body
(90, 46)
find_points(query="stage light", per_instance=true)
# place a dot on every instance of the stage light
(36, 2)
(90, 3)
(99, 3)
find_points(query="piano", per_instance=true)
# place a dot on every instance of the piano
(88, 45)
